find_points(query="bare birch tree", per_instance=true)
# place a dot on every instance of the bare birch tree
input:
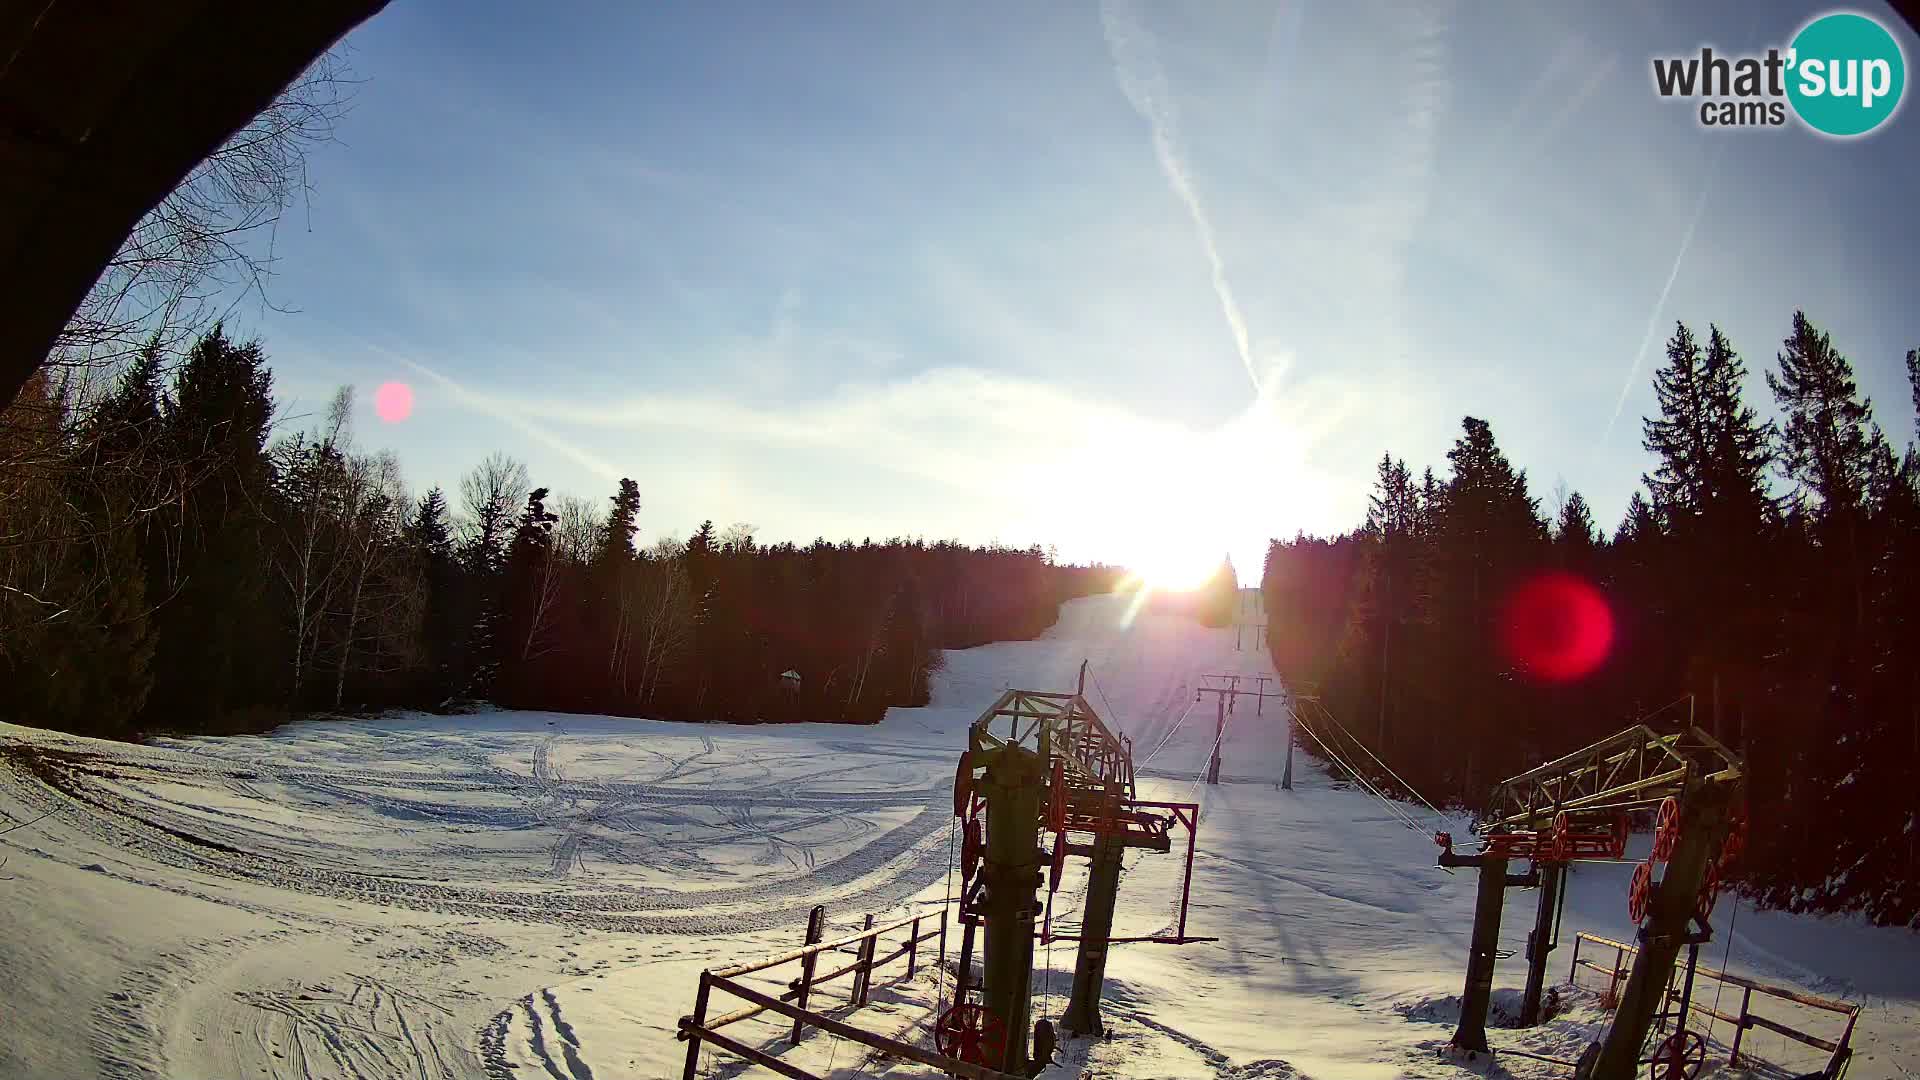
(489, 496)
(313, 476)
(656, 603)
(210, 243)
(382, 594)
(578, 529)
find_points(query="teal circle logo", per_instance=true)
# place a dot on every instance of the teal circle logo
(1845, 74)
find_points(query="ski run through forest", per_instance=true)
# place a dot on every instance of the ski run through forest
(524, 894)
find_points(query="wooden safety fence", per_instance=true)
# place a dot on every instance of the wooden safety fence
(793, 1002)
(1839, 1050)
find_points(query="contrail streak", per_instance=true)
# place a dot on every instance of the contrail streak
(1137, 68)
(483, 404)
(1673, 273)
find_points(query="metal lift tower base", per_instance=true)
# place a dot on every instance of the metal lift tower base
(1472, 1032)
(1704, 819)
(1090, 972)
(1541, 941)
(1013, 788)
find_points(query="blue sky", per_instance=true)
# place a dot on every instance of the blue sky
(1144, 281)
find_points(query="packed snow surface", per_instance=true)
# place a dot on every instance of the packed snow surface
(533, 895)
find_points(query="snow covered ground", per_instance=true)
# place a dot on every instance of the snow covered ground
(533, 895)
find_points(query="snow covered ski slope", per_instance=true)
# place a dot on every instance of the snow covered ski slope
(533, 895)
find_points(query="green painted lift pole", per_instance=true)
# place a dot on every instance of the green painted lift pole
(1471, 1034)
(1703, 826)
(1014, 783)
(1090, 971)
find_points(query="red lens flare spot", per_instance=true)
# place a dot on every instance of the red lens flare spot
(393, 401)
(1557, 628)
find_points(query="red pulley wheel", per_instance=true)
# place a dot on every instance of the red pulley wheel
(1059, 861)
(1709, 893)
(1640, 892)
(973, 1033)
(1562, 838)
(963, 784)
(1680, 1056)
(1666, 830)
(971, 848)
(1736, 841)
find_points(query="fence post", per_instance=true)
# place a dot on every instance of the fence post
(913, 944)
(1612, 999)
(1841, 1050)
(815, 919)
(1746, 998)
(863, 966)
(943, 940)
(699, 1021)
(1573, 969)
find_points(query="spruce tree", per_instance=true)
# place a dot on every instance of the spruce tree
(530, 587)
(617, 544)
(1394, 579)
(125, 428)
(1639, 524)
(1910, 464)
(1679, 437)
(1738, 446)
(428, 537)
(908, 655)
(1829, 438)
(1709, 585)
(218, 641)
(1489, 537)
(1574, 525)
(611, 619)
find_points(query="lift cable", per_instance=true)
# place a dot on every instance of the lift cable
(1409, 788)
(1721, 984)
(1226, 725)
(1115, 716)
(1688, 696)
(1168, 737)
(1112, 713)
(1392, 807)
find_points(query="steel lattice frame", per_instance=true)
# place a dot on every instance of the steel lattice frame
(1635, 769)
(1090, 768)
(1063, 726)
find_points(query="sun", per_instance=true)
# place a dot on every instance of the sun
(1171, 563)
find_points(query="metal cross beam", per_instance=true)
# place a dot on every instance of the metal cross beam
(1635, 769)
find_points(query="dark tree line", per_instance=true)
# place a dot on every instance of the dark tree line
(1765, 585)
(168, 561)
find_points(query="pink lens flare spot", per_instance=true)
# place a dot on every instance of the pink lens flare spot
(1558, 628)
(393, 401)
